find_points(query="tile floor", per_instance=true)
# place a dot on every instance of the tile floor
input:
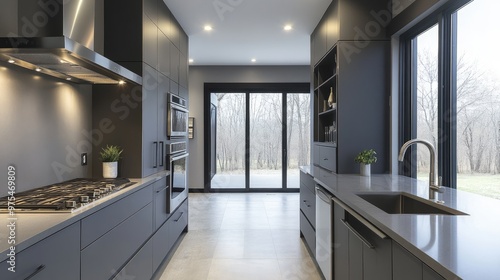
(242, 236)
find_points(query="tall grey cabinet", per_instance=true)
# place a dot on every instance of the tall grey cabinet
(350, 56)
(146, 38)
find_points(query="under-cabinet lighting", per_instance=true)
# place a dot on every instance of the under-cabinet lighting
(11, 60)
(68, 79)
(38, 69)
(121, 82)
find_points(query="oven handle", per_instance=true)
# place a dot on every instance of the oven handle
(178, 157)
(178, 107)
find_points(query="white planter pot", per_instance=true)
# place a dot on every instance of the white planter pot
(364, 169)
(110, 169)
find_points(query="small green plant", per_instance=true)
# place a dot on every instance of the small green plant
(111, 153)
(366, 157)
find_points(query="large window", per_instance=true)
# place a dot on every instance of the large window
(451, 96)
(259, 136)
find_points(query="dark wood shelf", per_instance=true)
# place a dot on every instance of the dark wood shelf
(327, 112)
(328, 81)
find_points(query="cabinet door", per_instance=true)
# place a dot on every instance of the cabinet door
(150, 145)
(55, 257)
(164, 46)
(340, 244)
(355, 257)
(161, 195)
(328, 158)
(429, 274)
(183, 71)
(174, 63)
(405, 265)
(163, 90)
(140, 266)
(332, 24)
(150, 42)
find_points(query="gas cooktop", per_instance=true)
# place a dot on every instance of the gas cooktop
(64, 197)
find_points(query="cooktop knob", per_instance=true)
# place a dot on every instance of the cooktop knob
(84, 198)
(70, 204)
(110, 186)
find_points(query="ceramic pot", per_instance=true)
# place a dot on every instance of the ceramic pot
(364, 169)
(110, 169)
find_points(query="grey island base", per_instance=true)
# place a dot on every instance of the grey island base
(376, 243)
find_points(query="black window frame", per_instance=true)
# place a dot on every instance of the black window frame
(446, 19)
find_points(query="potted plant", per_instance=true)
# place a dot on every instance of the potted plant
(365, 159)
(109, 157)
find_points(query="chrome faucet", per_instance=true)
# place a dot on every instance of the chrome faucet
(433, 185)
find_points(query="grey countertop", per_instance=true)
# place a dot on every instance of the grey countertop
(31, 228)
(465, 246)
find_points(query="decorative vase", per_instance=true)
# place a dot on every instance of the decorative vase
(331, 102)
(110, 169)
(364, 169)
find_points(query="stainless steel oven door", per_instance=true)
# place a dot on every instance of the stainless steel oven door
(177, 122)
(178, 180)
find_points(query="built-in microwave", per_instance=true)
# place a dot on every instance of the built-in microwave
(178, 115)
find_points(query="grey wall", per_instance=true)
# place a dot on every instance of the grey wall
(43, 123)
(399, 5)
(199, 75)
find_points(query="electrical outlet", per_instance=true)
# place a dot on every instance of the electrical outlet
(84, 159)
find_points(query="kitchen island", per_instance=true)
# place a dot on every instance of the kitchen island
(463, 246)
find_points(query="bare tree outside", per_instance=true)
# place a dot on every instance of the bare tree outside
(266, 147)
(478, 110)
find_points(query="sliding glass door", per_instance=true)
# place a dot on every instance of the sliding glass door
(261, 139)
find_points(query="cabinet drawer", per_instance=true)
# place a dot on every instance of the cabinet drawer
(307, 180)
(309, 234)
(328, 158)
(308, 204)
(165, 237)
(58, 254)
(140, 266)
(178, 221)
(111, 216)
(106, 255)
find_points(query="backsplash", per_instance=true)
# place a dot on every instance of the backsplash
(45, 125)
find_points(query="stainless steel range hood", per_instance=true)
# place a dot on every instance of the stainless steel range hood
(64, 58)
(58, 38)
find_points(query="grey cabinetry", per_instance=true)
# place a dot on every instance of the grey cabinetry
(308, 211)
(55, 257)
(166, 236)
(144, 37)
(341, 240)
(161, 195)
(408, 267)
(121, 239)
(139, 267)
(368, 251)
(351, 55)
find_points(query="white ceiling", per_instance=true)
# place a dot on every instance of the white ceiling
(246, 29)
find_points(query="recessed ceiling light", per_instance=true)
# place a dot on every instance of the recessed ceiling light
(38, 69)
(11, 60)
(68, 79)
(207, 28)
(287, 28)
(254, 60)
(121, 82)
(191, 60)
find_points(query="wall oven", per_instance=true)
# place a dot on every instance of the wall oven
(178, 115)
(177, 154)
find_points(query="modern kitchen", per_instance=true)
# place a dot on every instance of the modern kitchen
(233, 139)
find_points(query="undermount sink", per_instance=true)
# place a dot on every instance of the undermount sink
(405, 203)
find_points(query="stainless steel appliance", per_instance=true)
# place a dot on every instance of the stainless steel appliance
(64, 197)
(178, 115)
(178, 174)
(324, 231)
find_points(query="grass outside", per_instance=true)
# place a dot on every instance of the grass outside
(479, 183)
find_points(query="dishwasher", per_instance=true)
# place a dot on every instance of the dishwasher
(324, 251)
